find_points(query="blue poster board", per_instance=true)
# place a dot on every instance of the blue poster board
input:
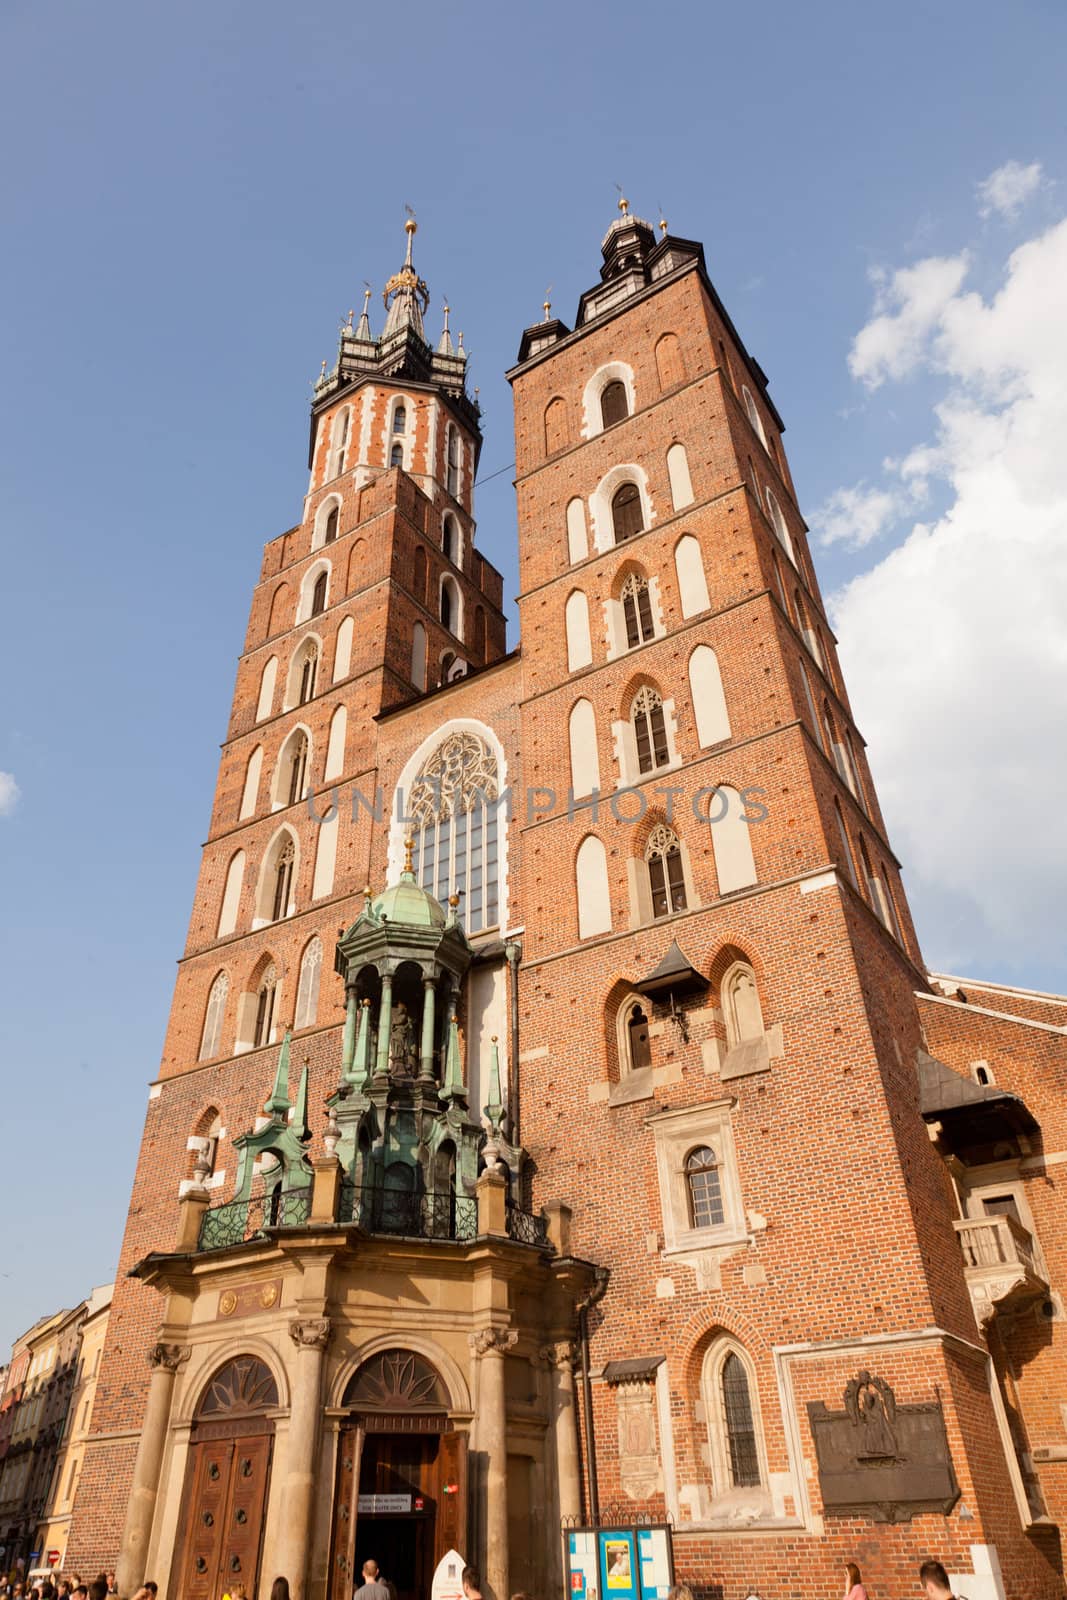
(619, 1577)
(619, 1563)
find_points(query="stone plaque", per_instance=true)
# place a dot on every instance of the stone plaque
(881, 1460)
(248, 1299)
(640, 1470)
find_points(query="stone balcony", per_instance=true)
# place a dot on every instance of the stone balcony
(1000, 1264)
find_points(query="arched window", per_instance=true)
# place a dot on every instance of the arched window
(242, 1386)
(778, 523)
(678, 477)
(418, 581)
(307, 994)
(666, 879)
(309, 668)
(250, 792)
(576, 627)
(295, 775)
(669, 363)
(400, 419)
(450, 607)
(692, 580)
(231, 895)
(753, 415)
(452, 462)
(263, 1031)
(342, 652)
(335, 745)
(709, 702)
(741, 1010)
(265, 703)
(276, 883)
(626, 517)
(585, 763)
(731, 841)
(650, 730)
(704, 1188)
(478, 634)
(577, 542)
(396, 456)
(340, 441)
(279, 606)
(839, 751)
(448, 538)
(418, 656)
(846, 849)
(637, 611)
(591, 884)
(318, 594)
(638, 1044)
(454, 804)
(211, 1038)
(740, 1426)
(555, 425)
(331, 525)
(613, 405)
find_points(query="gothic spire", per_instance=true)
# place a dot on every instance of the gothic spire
(406, 295)
(445, 347)
(279, 1103)
(363, 325)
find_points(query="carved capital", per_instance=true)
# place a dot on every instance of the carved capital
(168, 1356)
(562, 1354)
(312, 1334)
(492, 1341)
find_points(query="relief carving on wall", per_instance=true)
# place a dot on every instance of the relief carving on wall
(879, 1459)
(640, 1468)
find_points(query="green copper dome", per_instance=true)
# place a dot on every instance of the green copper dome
(406, 903)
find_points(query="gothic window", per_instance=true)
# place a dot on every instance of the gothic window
(342, 652)
(231, 895)
(250, 792)
(453, 804)
(650, 730)
(418, 656)
(731, 841)
(753, 415)
(264, 1024)
(283, 881)
(613, 406)
(307, 994)
(555, 425)
(309, 668)
(838, 749)
(400, 419)
(709, 702)
(396, 456)
(778, 523)
(592, 888)
(265, 703)
(666, 878)
(452, 463)
(576, 627)
(331, 525)
(678, 477)
(450, 606)
(741, 1010)
(448, 539)
(739, 1423)
(705, 1189)
(585, 761)
(638, 1046)
(577, 540)
(318, 594)
(335, 745)
(298, 763)
(626, 517)
(637, 611)
(211, 1039)
(669, 363)
(846, 848)
(340, 432)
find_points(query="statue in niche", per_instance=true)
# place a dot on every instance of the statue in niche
(402, 1057)
(872, 1406)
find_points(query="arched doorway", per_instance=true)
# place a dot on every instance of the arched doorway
(227, 1479)
(401, 1495)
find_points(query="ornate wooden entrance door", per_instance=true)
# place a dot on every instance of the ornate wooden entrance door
(226, 1483)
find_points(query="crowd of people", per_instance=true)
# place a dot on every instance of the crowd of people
(933, 1582)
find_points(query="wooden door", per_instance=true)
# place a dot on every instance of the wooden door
(343, 1578)
(224, 1514)
(451, 1496)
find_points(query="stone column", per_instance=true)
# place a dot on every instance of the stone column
(561, 1358)
(385, 1023)
(311, 1337)
(164, 1359)
(492, 1345)
(429, 997)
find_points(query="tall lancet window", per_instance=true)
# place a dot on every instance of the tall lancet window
(454, 804)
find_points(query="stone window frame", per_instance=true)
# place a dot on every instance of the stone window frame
(333, 501)
(592, 422)
(677, 1133)
(711, 1395)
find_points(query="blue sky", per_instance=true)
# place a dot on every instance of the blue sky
(193, 197)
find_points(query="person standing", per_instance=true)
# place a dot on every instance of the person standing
(854, 1589)
(934, 1580)
(372, 1587)
(472, 1583)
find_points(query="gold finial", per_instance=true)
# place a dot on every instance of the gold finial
(447, 310)
(411, 228)
(351, 315)
(322, 374)
(409, 853)
(453, 900)
(547, 306)
(461, 341)
(624, 205)
(663, 225)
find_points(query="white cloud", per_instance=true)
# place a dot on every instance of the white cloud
(955, 644)
(855, 517)
(1007, 189)
(910, 304)
(9, 794)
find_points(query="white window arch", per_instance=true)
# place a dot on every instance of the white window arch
(231, 895)
(276, 890)
(778, 523)
(752, 410)
(454, 795)
(340, 430)
(331, 505)
(577, 541)
(709, 702)
(692, 579)
(292, 770)
(600, 502)
(678, 477)
(250, 792)
(312, 592)
(211, 1038)
(735, 1434)
(731, 841)
(450, 605)
(592, 888)
(335, 748)
(611, 372)
(303, 675)
(342, 652)
(418, 656)
(268, 678)
(585, 759)
(576, 621)
(307, 993)
(452, 539)
(400, 431)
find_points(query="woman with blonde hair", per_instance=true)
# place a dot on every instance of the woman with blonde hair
(854, 1589)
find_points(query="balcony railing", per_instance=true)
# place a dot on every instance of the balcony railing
(524, 1227)
(1000, 1262)
(413, 1216)
(241, 1220)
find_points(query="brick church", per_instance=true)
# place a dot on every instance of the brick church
(557, 1127)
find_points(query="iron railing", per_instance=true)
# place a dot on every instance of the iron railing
(414, 1216)
(524, 1227)
(238, 1221)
